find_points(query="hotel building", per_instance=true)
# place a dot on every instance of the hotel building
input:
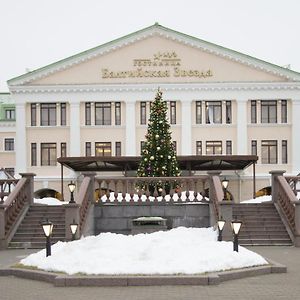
(98, 102)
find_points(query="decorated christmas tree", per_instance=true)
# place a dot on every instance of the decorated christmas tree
(158, 153)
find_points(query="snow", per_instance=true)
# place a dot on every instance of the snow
(49, 201)
(261, 199)
(177, 251)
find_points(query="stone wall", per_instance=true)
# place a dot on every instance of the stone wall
(117, 218)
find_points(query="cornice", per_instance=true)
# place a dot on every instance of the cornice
(55, 89)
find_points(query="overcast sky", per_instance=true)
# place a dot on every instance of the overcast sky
(35, 33)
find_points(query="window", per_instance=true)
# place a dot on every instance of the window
(198, 112)
(33, 114)
(172, 112)
(253, 147)
(228, 112)
(48, 154)
(269, 152)
(284, 158)
(10, 114)
(63, 114)
(103, 149)
(283, 111)
(63, 149)
(198, 148)
(118, 113)
(175, 146)
(213, 147)
(143, 113)
(103, 113)
(253, 111)
(213, 112)
(88, 149)
(269, 111)
(228, 147)
(48, 114)
(9, 144)
(118, 149)
(10, 171)
(88, 119)
(143, 144)
(33, 154)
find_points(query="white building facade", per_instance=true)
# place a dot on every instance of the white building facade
(98, 103)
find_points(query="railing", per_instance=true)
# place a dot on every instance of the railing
(147, 190)
(294, 182)
(83, 200)
(6, 187)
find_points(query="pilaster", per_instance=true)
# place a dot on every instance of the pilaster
(242, 134)
(186, 127)
(74, 129)
(130, 140)
(295, 136)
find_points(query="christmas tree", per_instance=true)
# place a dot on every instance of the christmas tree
(158, 153)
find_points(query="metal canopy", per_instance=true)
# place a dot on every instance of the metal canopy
(131, 163)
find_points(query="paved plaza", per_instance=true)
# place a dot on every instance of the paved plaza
(272, 286)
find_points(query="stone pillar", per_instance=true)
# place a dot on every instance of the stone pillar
(72, 215)
(274, 183)
(130, 146)
(30, 185)
(2, 227)
(242, 131)
(226, 214)
(74, 129)
(186, 127)
(212, 217)
(297, 224)
(295, 142)
(20, 142)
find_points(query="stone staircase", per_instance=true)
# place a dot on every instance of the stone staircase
(262, 225)
(30, 233)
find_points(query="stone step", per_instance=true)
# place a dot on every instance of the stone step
(264, 242)
(29, 245)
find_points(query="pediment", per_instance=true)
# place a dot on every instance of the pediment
(157, 55)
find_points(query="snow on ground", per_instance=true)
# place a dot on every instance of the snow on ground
(259, 199)
(177, 251)
(49, 201)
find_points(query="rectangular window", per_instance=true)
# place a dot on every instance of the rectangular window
(10, 171)
(48, 114)
(253, 147)
(269, 152)
(48, 154)
(103, 149)
(10, 114)
(33, 114)
(283, 111)
(269, 111)
(63, 114)
(284, 158)
(228, 147)
(213, 112)
(88, 118)
(88, 149)
(63, 149)
(172, 112)
(214, 147)
(253, 111)
(143, 144)
(118, 149)
(33, 154)
(198, 112)
(118, 113)
(143, 113)
(9, 144)
(198, 148)
(175, 146)
(103, 113)
(228, 112)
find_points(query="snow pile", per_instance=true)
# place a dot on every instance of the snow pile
(178, 251)
(49, 201)
(261, 199)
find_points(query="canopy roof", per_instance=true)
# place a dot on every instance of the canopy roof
(131, 163)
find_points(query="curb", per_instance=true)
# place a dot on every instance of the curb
(60, 280)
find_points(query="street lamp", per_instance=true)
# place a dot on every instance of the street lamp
(221, 224)
(72, 186)
(236, 226)
(47, 227)
(225, 185)
(73, 227)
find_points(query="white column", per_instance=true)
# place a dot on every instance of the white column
(130, 139)
(186, 127)
(20, 143)
(294, 144)
(242, 134)
(74, 129)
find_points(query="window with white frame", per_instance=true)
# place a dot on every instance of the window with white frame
(213, 112)
(269, 152)
(9, 144)
(48, 154)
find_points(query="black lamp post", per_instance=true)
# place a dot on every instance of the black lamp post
(221, 224)
(236, 226)
(47, 227)
(73, 227)
(72, 186)
(225, 185)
